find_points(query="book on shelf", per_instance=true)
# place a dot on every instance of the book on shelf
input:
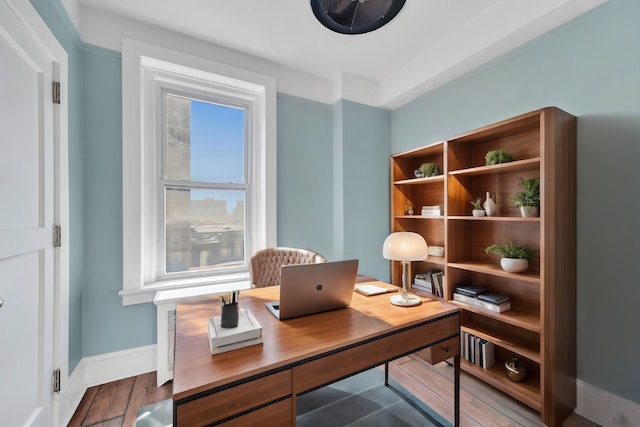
(476, 350)
(432, 212)
(470, 290)
(247, 332)
(493, 298)
(437, 282)
(423, 286)
(496, 308)
(369, 290)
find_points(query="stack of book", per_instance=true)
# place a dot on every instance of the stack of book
(431, 281)
(248, 332)
(481, 298)
(432, 210)
(477, 350)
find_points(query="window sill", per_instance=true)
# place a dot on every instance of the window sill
(180, 289)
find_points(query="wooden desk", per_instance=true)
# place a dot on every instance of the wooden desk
(243, 387)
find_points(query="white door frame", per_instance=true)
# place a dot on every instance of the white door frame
(33, 22)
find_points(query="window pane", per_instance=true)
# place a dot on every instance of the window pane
(205, 142)
(205, 229)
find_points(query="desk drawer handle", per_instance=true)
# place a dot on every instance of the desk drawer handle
(447, 349)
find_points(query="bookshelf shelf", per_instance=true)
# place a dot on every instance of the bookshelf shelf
(540, 327)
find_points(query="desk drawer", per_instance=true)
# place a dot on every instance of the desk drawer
(344, 363)
(275, 415)
(441, 351)
(233, 400)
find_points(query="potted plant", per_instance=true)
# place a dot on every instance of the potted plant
(478, 210)
(495, 157)
(430, 169)
(515, 257)
(528, 200)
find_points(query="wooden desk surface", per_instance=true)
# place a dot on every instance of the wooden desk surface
(285, 342)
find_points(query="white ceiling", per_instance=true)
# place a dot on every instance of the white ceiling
(427, 44)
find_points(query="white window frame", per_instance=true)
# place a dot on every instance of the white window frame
(147, 70)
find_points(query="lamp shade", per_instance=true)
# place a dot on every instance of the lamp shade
(405, 246)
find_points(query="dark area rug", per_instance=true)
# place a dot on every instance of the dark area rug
(359, 401)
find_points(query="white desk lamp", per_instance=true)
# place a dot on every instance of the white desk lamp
(405, 246)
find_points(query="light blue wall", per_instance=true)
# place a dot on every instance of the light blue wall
(305, 175)
(366, 133)
(107, 325)
(61, 26)
(589, 67)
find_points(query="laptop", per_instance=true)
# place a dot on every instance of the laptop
(313, 288)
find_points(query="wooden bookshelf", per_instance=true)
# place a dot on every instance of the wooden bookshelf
(541, 325)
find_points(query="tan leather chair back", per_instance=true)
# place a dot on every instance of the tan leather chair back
(265, 264)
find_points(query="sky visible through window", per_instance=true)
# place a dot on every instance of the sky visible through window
(217, 148)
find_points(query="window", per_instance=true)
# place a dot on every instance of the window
(198, 171)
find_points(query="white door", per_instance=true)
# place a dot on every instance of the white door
(26, 224)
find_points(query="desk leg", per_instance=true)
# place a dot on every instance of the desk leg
(386, 374)
(456, 391)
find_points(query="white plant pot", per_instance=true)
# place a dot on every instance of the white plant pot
(478, 212)
(514, 265)
(528, 211)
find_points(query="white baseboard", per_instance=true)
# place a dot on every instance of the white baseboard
(605, 408)
(595, 404)
(102, 369)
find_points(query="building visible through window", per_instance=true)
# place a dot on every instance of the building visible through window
(204, 185)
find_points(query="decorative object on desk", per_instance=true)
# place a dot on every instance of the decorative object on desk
(528, 200)
(495, 157)
(229, 312)
(430, 169)
(248, 332)
(418, 173)
(490, 206)
(477, 210)
(515, 257)
(405, 246)
(516, 369)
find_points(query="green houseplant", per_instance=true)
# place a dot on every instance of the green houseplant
(528, 200)
(495, 157)
(515, 256)
(430, 169)
(478, 210)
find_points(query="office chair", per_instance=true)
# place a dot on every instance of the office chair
(265, 264)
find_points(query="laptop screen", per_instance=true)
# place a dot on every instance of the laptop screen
(313, 288)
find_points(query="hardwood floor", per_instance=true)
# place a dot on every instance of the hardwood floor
(116, 404)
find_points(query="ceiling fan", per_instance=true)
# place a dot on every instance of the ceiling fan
(355, 16)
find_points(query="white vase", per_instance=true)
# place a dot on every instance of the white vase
(528, 211)
(514, 265)
(490, 206)
(478, 212)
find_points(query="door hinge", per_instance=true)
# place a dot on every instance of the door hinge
(56, 92)
(57, 236)
(56, 381)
